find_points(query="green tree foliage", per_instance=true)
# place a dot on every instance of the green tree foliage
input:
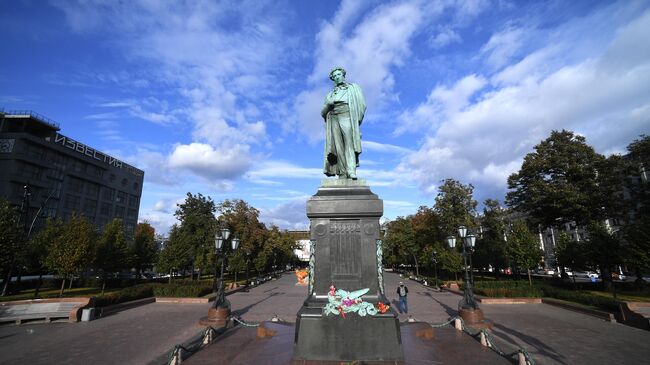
(490, 247)
(111, 250)
(73, 249)
(197, 229)
(243, 221)
(144, 249)
(569, 253)
(455, 206)
(176, 254)
(38, 247)
(603, 250)
(11, 240)
(637, 249)
(450, 260)
(522, 248)
(565, 180)
(399, 244)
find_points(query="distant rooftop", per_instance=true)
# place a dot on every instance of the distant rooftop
(33, 115)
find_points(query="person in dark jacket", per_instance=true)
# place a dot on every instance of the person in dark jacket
(402, 292)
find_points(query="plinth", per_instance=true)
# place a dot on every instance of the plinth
(474, 318)
(346, 252)
(217, 317)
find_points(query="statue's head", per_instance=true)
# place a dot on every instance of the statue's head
(340, 74)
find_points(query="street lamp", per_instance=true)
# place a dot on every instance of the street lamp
(435, 265)
(222, 236)
(468, 242)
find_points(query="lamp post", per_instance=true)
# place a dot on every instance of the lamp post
(467, 307)
(435, 265)
(219, 313)
(468, 242)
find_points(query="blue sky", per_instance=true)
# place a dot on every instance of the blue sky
(223, 97)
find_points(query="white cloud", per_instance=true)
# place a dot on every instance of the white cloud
(210, 163)
(441, 104)
(289, 215)
(502, 46)
(383, 147)
(367, 50)
(484, 141)
(445, 37)
(283, 169)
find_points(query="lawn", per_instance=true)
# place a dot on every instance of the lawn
(54, 293)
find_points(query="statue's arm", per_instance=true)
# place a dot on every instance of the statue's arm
(327, 106)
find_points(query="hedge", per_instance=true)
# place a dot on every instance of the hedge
(124, 295)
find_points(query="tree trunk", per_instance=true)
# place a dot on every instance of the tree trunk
(530, 281)
(170, 276)
(417, 268)
(5, 287)
(71, 279)
(38, 284)
(62, 287)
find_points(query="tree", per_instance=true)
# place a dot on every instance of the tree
(604, 250)
(523, 248)
(400, 245)
(176, 254)
(38, 248)
(72, 250)
(569, 253)
(111, 250)
(144, 249)
(243, 221)
(455, 206)
(451, 260)
(637, 249)
(565, 180)
(197, 228)
(11, 241)
(490, 247)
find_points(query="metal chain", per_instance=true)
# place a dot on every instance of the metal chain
(489, 339)
(243, 323)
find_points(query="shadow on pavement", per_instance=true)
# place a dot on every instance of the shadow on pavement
(241, 311)
(502, 332)
(449, 310)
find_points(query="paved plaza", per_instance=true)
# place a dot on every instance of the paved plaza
(144, 334)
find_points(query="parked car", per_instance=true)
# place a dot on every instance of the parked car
(585, 274)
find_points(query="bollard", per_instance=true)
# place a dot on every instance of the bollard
(458, 324)
(522, 359)
(483, 339)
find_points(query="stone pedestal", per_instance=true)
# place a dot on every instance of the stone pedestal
(474, 318)
(217, 317)
(345, 235)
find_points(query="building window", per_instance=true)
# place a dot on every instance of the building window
(125, 182)
(75, 185)
(90, 207)
(92, 190)
(136, 186)
(93, 170)
(134, 201)
(105, 209)
(132, 214)
(119, 211)
(108, 194)
(72, 202)
(111, 178)
(77, 165)
(30, 171)
(121, 197)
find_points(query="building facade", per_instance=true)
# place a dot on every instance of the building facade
(47, 174)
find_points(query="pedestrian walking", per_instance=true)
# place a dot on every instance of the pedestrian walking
(402, 292)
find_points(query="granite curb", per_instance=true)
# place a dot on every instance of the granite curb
(550, 301)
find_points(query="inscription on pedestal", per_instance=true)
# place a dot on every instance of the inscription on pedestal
(345, 251)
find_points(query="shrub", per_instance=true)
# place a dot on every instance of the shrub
(184, 288)
(124, 295)
(598, 301)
